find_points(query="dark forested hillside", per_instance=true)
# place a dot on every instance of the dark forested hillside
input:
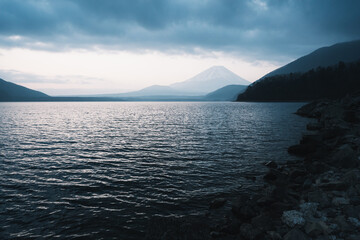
(329, 82)
(325, 56)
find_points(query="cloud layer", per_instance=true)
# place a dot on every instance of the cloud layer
(249, 28)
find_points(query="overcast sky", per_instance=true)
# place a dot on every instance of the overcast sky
(91, 46)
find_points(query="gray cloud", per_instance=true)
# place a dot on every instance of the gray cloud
(22, 77)
(259, 28)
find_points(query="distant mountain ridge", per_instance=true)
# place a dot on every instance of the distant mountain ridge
(13, 92)
(227, 93)
(325, 56)
(203, 83)
(154, 90)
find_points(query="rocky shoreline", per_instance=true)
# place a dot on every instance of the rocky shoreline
(316, 197)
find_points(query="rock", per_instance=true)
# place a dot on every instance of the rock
(328, 237)
(354, 221)
(355, 200)
(295, 234)
(302, 149)
(334, 193)
(249, 232)
(262, 221)
(232, 227)
(313, 139)
(352, 211)
(277, 208)
(243, 212)
(217, 203)
(307, 183)
(309, 209)
(320, 197)
(353, 237)
(293, 218)
(351, 177)
(334, 133)
(316, 228)
(337, 201)
(350, 139)
(350, 116)
(342, 223)
(333, 186)
(313, 126)
(334, 227)
(313, 109)
(357, 187)
(281, 191)
(166, 228)
(265, 201)
(316, 167)
(271, 235)
(352, 192)
(332, 114)
(345, 157)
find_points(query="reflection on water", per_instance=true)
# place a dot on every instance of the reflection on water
(102, 169)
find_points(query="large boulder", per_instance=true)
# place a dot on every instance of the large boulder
(309, 209)
(192, 227)
(243, 209)
(295, 234)
(316, 228)
(345, 157)
(302, 149)
(263, 222)
(332, 116)
(351, 177)
(249, 232)
(351, 116)
(293, 218)
(314, 126)
(313, 109)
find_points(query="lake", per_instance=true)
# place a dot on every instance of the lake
(102, 169)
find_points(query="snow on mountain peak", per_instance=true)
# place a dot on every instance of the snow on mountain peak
(210, 80)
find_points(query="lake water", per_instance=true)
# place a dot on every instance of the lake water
(102, 169)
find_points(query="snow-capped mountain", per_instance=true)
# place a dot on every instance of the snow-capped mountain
(210, 80)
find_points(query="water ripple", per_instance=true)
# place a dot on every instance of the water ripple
(100, 170)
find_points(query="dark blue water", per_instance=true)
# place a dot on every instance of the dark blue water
(101, 170)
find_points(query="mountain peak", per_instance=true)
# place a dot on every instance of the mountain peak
(209, 80)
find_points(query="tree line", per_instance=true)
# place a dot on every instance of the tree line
(323, 82)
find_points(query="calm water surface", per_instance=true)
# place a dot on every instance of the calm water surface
(101, 170)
